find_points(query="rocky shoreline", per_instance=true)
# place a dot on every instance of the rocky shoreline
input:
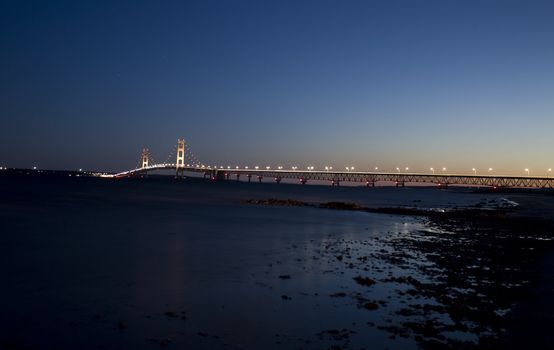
(478, 265)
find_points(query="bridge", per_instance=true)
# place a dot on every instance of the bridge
(335, 178)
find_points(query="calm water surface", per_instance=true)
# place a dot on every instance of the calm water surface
(101, 264)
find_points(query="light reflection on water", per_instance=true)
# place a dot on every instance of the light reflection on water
(92, 264)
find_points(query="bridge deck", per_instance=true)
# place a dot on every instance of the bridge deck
(369, 178)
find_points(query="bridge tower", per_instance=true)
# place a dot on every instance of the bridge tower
(145, 157)
(180, 161)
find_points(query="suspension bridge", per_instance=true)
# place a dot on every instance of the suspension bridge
(186, 162)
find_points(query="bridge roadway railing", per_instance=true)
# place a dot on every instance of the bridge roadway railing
(369, 178)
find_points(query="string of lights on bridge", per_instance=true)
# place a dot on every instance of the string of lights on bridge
(331, 169)
(350, 174)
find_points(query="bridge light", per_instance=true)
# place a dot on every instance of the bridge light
(228, 167)
(432, 170)
(267, 168)
(443, 170)
(376, 168)
(352, 168)
(407, 168)
(527, 170)
(474, 171)
(245, 167)
(256, 167)
(490, 170)
(398, 169)
(280, 167)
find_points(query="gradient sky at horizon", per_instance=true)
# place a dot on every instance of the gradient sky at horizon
(419, 84)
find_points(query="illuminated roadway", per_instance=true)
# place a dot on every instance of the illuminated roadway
(337, 177)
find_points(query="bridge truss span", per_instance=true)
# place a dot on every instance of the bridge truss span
(336, 178)
(399, 179)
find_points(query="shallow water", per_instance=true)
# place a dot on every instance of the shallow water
(95, 263)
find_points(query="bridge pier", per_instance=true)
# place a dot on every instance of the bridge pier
(219, 175)
(335, 183)
(303, 181)
(260, 178)
(249, 177)
(278, 179)
(399, 183)
(238, 177)
(227, 175)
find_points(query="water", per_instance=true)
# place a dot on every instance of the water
(104, 264)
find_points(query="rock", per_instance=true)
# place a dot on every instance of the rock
(371, 306)
(341, 206)
(364, 281)
(276, 202)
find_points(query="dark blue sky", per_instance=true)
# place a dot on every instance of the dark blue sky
(459, 84)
